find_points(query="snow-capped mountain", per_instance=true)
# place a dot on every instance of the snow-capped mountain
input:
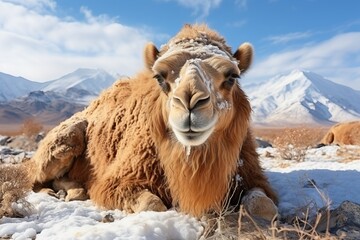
(82, 83)
(302, 97)
(12, 87)
(47, 107)
(53, 101)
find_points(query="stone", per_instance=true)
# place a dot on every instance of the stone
(262, 143)
(344, 221)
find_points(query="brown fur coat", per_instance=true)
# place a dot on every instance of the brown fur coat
(121, 145)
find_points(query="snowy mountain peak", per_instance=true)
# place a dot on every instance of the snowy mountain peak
(12, 87)
(92, 81)
(297, 79)
(303, 97)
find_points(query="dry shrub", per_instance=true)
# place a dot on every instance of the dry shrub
(230, 224)
(348, 153)
(300, 228)
(298, 136)
(290, 152)
(14, 186)
(292, 142)
(31, 127)
(222, 223)
(249, 228)
(306, 227)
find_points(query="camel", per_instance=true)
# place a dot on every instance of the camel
(176, 135)
(347, 133)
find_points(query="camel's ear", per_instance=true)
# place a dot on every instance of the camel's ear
(244, 54)
(150, 55)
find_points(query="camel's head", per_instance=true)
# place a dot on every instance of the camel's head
(198, 73)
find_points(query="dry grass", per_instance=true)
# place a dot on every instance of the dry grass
(305, 228)
(14, 186)
(241, 225)
(10, 129)
(300, 136)
(301, 228)
(222, 224)
(348, 153)
(31, 127)
(231, 224)
(292, 142)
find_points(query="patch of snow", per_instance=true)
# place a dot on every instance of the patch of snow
(188, 150)
(335, 179)
(54, 219)
(223, 105)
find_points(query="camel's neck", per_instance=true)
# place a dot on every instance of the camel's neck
(199, 179)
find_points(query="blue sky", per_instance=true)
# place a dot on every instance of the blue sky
(45, 39)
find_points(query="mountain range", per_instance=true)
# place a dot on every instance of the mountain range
(52, 101)
(12, 87)
(299, 97)
(302, 97)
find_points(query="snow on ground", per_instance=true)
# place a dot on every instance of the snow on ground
(336, 178)
(55, 219)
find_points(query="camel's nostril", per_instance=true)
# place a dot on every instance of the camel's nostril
(196, 101)
(177, 101)
(199, 102)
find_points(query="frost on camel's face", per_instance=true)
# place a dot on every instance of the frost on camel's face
(198, 77)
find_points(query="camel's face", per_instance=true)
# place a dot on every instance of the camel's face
(198, 92)
(198, 81)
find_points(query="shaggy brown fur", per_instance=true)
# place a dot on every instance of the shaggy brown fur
(343, 134)
(124, 152)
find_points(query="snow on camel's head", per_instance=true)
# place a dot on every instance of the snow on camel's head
(199, 74)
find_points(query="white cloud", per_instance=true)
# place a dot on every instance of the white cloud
(337, 59)
(40, 46)
(36, 5)
(200, 7)
(241, 3)
(289, 37)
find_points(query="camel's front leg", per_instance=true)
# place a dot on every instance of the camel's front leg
(147, 201)
(114, 192)
(57, 151)
(73, 189)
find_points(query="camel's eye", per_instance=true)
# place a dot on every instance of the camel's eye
(159, 78)
(162, 82)
(230, 81)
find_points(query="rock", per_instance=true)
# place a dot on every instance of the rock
(262, 143)
(40, 136)
(11, 155)
(23, 142)
(108, 218)
(320, 145)
(4, 140)
(344, 221)
(20, 157)
(9, 151)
